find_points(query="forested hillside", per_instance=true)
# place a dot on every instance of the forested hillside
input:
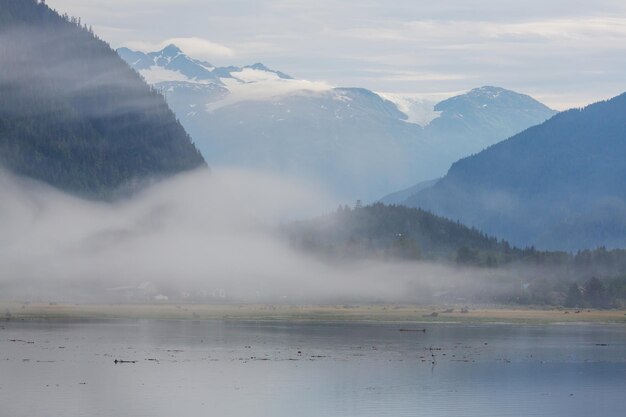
(394, 231)
(73, 114)
(588, 278)
(559, 185)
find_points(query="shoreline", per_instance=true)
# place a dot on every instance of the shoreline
(308, 313)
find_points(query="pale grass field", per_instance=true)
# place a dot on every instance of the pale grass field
(356, 313)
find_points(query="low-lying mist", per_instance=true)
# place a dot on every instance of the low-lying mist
(199, 236)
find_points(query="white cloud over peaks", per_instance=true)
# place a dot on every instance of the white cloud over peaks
(199, 47)
(260, 85)
(548, 48)
(196, 47)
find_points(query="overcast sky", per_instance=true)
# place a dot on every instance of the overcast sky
(564, 52)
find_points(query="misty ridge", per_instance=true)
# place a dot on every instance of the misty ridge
(132, 212)
(220, 237)
(192, 234)
(64, 66)
(558, 185)
(359, 143)
(187, 231)
(75, 115)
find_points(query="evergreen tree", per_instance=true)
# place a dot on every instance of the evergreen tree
(73, 114)
(574, 296)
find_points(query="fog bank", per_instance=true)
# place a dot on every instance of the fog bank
(199, 236)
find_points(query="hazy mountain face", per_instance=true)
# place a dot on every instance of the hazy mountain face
(559, 185)
(354, 142)
(484, 116)
(400, 197)
(73, 114)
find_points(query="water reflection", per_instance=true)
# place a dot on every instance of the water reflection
(186, 368)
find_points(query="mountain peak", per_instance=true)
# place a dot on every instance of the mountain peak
(171, 50)
(490, 92)
(262, 67)
(558, 185)
(259, 66)
(174, 59)
(489, 88)
(482, 98)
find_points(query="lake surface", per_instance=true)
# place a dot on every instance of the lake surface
(186, 368)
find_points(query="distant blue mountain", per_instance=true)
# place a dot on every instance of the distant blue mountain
(400, 197)
(260, 67)
(485, 116)
(172, 58)
(354, 142)
(559, 185)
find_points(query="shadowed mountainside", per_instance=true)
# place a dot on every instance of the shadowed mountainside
(73, 114)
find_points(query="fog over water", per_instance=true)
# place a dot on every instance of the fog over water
(199, 235)
(194, 233)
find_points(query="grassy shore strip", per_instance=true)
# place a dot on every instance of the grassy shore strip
(361, 313)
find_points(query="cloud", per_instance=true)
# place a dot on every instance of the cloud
(417, 76)
(578, 29)
(265, 90)
(537, 47)
(198, 48)
(196, 232)
(462, 32)
(199, 232)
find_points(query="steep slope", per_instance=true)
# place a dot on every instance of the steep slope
(356, 143)
(353, 141)
(169, 60)
(73, 114)
(500, 273)
(556, 185)
(349, 140)
(397, 231)
(400, 197)
(470, 122)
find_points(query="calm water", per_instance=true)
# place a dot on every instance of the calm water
(266, 369)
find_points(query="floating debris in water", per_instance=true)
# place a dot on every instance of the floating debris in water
(22, 341)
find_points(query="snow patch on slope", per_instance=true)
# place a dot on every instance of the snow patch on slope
(264, 87)
(156, 74)
(418, 110)
(250, 75)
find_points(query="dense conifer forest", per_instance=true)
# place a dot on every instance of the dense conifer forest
(558, 185)
(73, 114)
(587, 278)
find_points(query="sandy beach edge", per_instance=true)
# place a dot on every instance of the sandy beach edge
(281, 312)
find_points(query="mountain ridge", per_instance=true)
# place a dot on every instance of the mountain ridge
(558, 185)
(73, 114)
(356, 143)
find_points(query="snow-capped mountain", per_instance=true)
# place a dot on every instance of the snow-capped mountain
(171, 64)
(356, 143)
(417, 109)
(175, 73)
(556, 186)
